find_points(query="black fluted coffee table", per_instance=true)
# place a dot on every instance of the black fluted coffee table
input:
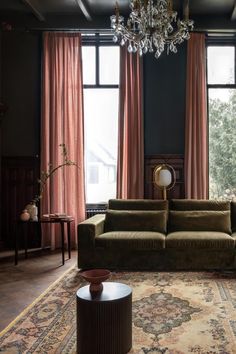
(104, 321)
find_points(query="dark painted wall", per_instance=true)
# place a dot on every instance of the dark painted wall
(164, 97)
(1, 101)
(21, 93)
(164, 83)
(164, 102)
(0, 66)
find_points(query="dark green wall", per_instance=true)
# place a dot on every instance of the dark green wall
(0, 66)
(164, 82)
(164, 102)
(21, 93)
(164, 97)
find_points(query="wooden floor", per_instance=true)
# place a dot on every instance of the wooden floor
(20, 285)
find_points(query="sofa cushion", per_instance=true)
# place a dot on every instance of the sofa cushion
(137, 204)
(202, 239)
(134, 240)
(135, 220)
(193, 204)
(199, 220)
(233, 216)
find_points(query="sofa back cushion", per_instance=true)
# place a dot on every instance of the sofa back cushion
(193, 204)
(233, 216)
(199, 220)
(137, 204)
(136, 220)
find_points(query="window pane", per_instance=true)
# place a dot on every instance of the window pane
(222, 143)
(220, 65)
(88, 57)
(109, 65)
(101, 120)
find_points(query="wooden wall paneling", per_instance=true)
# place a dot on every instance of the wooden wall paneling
(3, 109)
(177, 162)
(19, 186)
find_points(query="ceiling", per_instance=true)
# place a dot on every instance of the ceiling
(47, 12)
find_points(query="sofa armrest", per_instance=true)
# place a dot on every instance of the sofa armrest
(89, 229)
(234, 236)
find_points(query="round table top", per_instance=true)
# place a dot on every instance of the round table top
(111, 292)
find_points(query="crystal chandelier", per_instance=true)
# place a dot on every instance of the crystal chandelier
(152, 26)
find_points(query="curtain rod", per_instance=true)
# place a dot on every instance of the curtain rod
(208, 32)
(81, 30)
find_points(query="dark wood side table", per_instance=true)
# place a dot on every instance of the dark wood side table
(104, 321)
(45, 220)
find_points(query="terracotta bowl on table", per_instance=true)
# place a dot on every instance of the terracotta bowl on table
(95, 277)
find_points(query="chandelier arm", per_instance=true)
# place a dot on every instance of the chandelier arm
(131, 36)
(151, 27)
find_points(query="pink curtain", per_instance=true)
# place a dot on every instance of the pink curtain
(62, 122)
(130, 169)
(196, 125)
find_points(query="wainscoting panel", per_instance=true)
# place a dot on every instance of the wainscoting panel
(19, 186)
(177, 162)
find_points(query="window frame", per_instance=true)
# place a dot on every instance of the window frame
(98, 40)
(218, 42)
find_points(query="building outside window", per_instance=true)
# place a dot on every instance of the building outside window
(221, 83)
(101, 92)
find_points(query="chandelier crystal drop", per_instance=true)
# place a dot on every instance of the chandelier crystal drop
(152, 25)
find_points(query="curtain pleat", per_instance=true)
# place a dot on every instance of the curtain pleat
(62, 123)
(130, 169)
(196, 123)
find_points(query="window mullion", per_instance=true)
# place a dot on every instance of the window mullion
(221, 86)
(97, 65)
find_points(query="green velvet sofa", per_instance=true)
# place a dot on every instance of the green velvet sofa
(159, 235)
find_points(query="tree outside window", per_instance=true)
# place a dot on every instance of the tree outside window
(222, 121)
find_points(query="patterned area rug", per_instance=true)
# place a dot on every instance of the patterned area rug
(173, 312)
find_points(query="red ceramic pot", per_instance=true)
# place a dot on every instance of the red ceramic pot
(95, 277)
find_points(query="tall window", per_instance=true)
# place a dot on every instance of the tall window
(101, 92)
(221, 78)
